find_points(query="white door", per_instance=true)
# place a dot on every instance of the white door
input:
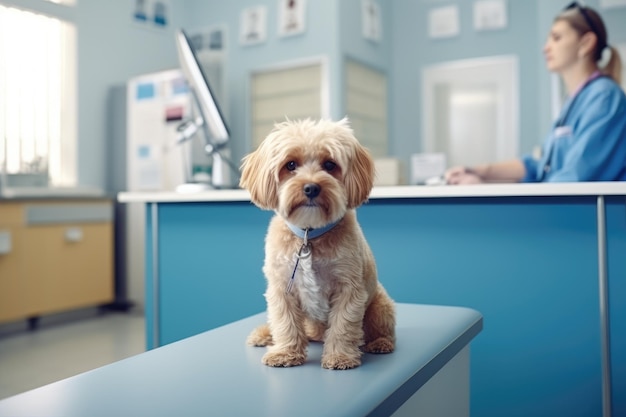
(471, 110)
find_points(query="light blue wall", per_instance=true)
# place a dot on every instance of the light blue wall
(528, 25)
(413, 50)
(112, 49)
(333, 31)
(319, 40)
(377, 55)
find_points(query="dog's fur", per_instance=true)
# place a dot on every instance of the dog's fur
(336, 297)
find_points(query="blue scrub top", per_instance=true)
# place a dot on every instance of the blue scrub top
(588, 140)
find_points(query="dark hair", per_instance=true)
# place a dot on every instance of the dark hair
(584, 19)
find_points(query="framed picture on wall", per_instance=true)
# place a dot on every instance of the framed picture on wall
(490, 15)
(151, 13)
(291, 17)
(444, 22)
(209, 40)
(253, 25)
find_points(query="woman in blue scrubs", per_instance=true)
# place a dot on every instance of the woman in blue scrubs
(588, 140)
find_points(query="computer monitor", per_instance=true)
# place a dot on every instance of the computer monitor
(210, 118)
(214, 125)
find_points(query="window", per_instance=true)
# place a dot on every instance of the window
(37, 99)
(366, 106)
(293, 91)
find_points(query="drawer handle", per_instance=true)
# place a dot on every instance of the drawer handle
(5, 242)
(73, 234)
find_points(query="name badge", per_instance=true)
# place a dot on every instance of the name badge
(562, 131)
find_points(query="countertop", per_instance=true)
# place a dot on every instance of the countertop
(52, 193)
(407, 191)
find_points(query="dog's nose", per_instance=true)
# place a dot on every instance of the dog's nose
(311, 190)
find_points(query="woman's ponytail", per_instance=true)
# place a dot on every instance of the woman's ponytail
(613, 68)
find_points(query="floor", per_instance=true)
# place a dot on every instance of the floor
(65, 347)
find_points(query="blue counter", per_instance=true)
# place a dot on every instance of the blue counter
(216, 374)
(544, 264)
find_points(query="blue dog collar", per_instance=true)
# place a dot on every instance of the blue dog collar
(313, 233)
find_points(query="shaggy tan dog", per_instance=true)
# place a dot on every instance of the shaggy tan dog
(321, 276)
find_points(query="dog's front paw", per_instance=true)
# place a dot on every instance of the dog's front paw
(261, 336)
(380, 345)
(339, 361)
(283, 358)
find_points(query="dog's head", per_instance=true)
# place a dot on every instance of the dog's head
(309, 172)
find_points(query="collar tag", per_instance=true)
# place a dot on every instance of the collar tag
(304, 252)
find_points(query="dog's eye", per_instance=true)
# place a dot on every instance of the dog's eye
(329, 165)
(291, 165)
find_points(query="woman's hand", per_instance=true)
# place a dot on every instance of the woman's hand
(462, 175)
(512, 170)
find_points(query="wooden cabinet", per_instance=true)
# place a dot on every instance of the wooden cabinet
(12, 287)
(60, 257)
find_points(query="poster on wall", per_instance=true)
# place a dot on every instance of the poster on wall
(490, 15)
(443, 22)
(370, 16)
(151, 13)
(291, 17)
(253, 25)
(209, 41)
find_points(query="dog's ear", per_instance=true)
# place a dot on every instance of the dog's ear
(258, 178)
(359, 179)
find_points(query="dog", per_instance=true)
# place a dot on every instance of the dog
(322, 282)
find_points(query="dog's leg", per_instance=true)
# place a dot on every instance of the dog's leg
(286, 323)
(379, 324)
(345, 330)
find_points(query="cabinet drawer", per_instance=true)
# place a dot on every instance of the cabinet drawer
(40, 214)
(55, 256)
(13, 294)
(74, 266)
